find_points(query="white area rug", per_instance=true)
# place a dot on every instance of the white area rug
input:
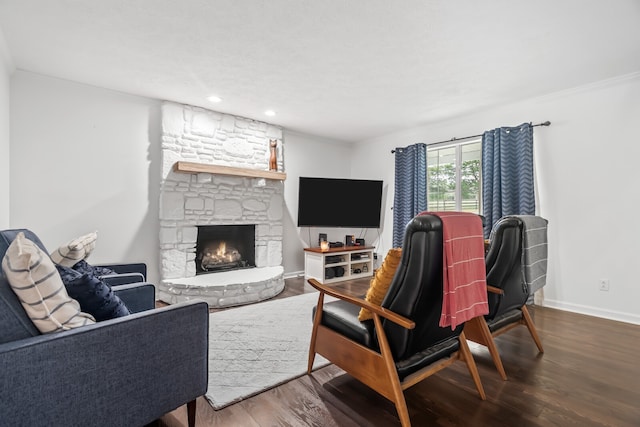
(256, 347)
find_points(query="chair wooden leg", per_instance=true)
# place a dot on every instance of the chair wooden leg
(403, 413)
(392, 373)
(191, 413)
(314, 332)
(477, 330)
(471, 365)
(532, 328)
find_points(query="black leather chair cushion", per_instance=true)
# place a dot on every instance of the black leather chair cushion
(342, 317)
(416, 290)
(504, 267)
(426, 357)
(504, 319)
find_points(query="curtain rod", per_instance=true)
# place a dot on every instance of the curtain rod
(547, 123)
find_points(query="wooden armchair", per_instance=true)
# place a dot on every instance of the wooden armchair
(403, 343)
(507, 291)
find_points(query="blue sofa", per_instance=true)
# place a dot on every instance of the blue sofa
(127, 371)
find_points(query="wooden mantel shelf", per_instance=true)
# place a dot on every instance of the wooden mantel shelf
(190, 167)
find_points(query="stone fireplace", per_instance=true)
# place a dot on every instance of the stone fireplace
(223, 191)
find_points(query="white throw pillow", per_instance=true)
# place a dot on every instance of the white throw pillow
(76, 250)
(37, 284)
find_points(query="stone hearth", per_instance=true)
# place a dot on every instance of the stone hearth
(188, 200)
(231, 287)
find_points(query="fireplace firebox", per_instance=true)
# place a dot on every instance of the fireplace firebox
(225, 247)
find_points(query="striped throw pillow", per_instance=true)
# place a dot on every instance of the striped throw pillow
(37, 284)
(76, 250)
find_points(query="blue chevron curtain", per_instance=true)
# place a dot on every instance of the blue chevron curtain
(410, 196)
(507, 173)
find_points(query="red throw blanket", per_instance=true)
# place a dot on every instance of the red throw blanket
(464, 273)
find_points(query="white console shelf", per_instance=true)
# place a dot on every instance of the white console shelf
(325, 266)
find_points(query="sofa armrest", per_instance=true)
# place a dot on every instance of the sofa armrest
(137, 296)
(122, 279)
(138, 268)
(125, 371)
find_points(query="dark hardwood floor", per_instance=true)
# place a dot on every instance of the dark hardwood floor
(589, 375)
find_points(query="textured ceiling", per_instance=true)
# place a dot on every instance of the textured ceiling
(347, 70)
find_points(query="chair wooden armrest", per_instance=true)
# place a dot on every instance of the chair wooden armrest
(376, 309)
(495, 290)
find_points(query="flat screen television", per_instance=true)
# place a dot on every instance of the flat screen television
(334, 202)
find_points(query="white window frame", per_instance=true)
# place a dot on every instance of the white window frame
(458, 158)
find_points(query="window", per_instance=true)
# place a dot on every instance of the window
(453, 177)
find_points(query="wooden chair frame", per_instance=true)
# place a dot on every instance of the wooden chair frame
(377, 369)
(478, 331)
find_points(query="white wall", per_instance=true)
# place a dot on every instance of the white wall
(311, 156)
(586, 167)
(84, 159)
(6, 68)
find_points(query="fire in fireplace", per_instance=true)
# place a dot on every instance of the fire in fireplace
(225, 247)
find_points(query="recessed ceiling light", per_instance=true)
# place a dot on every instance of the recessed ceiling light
(270, 113)
(214, 99)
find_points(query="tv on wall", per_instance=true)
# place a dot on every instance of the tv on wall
(334, 202)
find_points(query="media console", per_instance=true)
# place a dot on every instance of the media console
(338, 264)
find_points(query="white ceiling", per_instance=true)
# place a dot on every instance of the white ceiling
(341, 69)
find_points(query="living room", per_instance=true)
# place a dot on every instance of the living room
(77, 155)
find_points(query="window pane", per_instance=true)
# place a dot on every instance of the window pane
(470, 177)
(441, 179)
(453, 177)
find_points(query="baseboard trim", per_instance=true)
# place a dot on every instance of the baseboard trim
(294, 274)
(593, 311)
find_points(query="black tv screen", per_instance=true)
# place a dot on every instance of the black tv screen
(334, 202)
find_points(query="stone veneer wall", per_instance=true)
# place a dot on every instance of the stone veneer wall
(197, 135)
